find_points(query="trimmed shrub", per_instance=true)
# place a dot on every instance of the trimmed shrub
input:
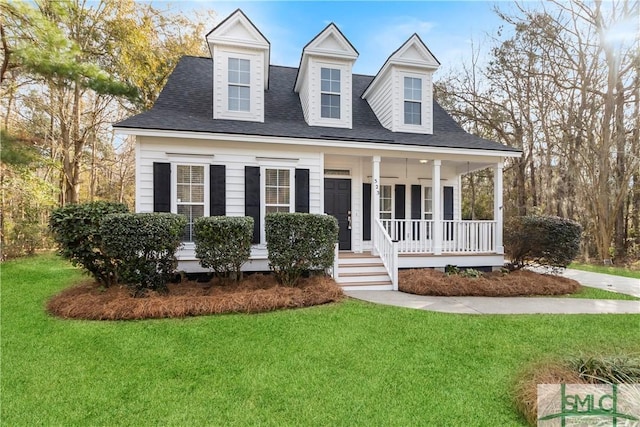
(545, 240)
(145, 245)
(76, 231)
(223, 244)
(299, 243)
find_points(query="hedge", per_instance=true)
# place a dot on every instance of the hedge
(299, 243)
(145, 244)
(223, 244)
(76, 230)
(545, 240)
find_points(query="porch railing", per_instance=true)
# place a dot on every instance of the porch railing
(387, 250)
(416, 235)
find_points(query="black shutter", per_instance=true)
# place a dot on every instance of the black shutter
(366, 212)
(252, 198)
(400, 208)
(448, 212)
(217, 190)
(162, 187)
(416, 210)
(448, 204)
(400, 205)
(302, 190)
(416, 202)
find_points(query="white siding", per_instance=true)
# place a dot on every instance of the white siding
(235, 156)
(381, 103)
(221, 55)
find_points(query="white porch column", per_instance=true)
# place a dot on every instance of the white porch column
(375, 197)
(497, 205)
(437, 208)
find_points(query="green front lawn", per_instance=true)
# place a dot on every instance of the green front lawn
(346, 364)
(606, 269)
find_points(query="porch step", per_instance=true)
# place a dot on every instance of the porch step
(362, 271)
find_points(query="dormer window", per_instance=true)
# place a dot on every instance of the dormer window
(330, 93)
(239, 84)
(412, 101)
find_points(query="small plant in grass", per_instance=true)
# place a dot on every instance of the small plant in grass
(76, 230)
(584, 369)
(145, 244)
(223, 244)
(299, 243)
(618, 369)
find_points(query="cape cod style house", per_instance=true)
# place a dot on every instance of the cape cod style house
(235, 135)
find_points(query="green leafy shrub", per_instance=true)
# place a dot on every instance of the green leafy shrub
(299, 243)
(223, 244)
(145, 245)
(545, 240)
(76, 230)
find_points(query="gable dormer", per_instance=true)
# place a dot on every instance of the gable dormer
(324, 79)
(401, 94)
(240, 56)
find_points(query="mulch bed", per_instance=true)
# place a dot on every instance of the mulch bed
(255, 294)
(496, 284)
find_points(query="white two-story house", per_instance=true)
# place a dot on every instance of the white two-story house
(234, 135)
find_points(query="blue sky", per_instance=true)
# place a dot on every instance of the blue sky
(375, 29)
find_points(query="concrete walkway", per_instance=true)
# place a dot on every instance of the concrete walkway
(519, 305)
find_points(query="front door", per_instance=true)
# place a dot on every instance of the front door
(337, 203)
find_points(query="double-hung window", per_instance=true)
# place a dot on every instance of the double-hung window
(277, 192)
(190, 194)
(386, 202)
(330, 93)
(412, 101)
(428, 203)
(239, 84)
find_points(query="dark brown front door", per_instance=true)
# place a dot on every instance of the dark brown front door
(337, 203)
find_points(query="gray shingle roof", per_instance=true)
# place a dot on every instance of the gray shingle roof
(186, 104)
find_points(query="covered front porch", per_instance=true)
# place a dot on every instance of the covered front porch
(406, 212)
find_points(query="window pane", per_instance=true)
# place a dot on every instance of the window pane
(330, 106)
(412, 113)
(325, 85)
(183, 193)
(283, 196)
(271, 177)
(183, 174)
(335, 74)
(197, 194)
(283, 177)
(271, 195)
(243, 92)
(197, 174)
(325, 73)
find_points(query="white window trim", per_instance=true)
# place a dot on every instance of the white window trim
(221, 83)
(415, 101)
(424, 204)
(263, 196)
(393, 205)
(229, 83)
(401, 126)
(330, 92)
(174, 190)
(345, 97)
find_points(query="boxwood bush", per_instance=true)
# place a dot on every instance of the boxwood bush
(298, 243)
(145, 245)
(545, 240)
(223, 244)
(76, 231)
